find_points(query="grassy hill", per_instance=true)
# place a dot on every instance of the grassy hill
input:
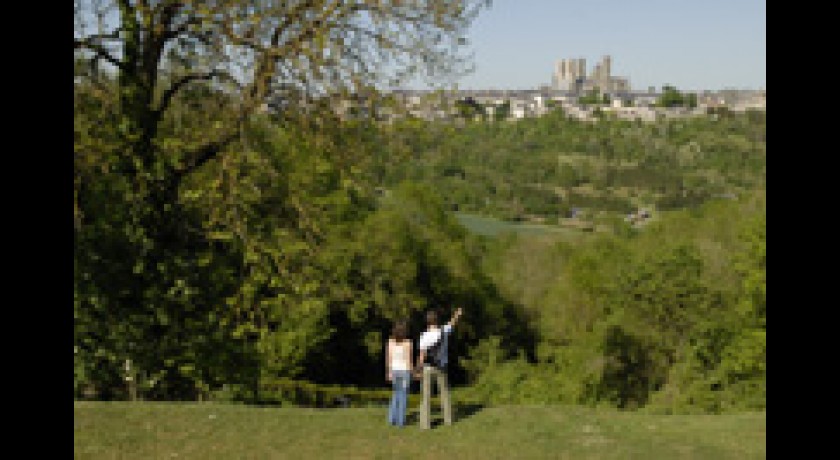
(218, 431)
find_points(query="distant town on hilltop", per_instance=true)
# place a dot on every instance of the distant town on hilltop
(582, 95)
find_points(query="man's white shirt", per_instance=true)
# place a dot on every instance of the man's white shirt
(429, 338)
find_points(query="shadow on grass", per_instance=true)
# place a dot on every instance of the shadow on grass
(459, 412)
(463, 411)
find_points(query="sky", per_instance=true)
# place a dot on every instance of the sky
(690, 44)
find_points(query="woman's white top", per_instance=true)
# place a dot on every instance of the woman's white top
(400, 354)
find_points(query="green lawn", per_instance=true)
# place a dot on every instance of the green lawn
(121, 430)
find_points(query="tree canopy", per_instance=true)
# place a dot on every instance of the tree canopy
(187, 212)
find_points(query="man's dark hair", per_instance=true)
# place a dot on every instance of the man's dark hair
(431, 318)
(400, 331)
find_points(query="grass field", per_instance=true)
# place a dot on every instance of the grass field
(121, 430)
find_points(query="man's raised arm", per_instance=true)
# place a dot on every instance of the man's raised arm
(455, 317)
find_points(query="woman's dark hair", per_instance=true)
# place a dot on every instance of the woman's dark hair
(431, 318)
(400, 331)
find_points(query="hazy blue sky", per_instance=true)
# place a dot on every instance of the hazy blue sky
(692, 44)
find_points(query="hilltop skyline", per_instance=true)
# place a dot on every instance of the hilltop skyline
(710, 45)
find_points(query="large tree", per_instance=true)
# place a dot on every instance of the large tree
(163, 89)
(252, 48)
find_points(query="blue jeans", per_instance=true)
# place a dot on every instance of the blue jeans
(396, 412)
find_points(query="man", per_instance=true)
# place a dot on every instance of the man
(434, 344)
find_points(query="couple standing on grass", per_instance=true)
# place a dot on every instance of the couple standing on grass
(434, 344)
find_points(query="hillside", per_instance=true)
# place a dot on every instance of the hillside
(551, 168)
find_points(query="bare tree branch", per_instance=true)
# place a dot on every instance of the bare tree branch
(167, 16)
(306, 43)
(113, 35)
(184, 28)
(170, 92)
(205, 153)
(99, 51)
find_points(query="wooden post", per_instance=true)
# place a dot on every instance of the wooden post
(130, 381)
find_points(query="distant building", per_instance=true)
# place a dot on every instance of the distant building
(570, 76)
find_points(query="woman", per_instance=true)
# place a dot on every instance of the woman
(398, 363)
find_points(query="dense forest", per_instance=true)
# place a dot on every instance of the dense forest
(541, 169)
(219, 248)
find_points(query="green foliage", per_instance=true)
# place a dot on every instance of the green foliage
(691, 101)
(725, 369)
(593, 97)
(502, 111)
(671, 97)
(669, 318)
(540, 168)
(469, 109)
(199, 225)
(269, 264)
